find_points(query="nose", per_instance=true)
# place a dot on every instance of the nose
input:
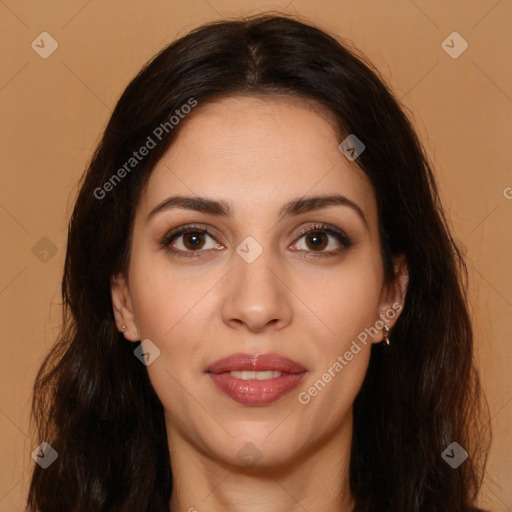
(257, 296)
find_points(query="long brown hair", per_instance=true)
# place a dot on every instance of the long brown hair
(93, 401)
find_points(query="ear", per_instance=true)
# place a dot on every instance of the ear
(393, 294)
(123, 309)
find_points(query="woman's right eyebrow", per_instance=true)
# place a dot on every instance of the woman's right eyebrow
(199, 204)
(222, 209)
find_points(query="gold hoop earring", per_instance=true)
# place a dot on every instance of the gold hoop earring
(385, 332)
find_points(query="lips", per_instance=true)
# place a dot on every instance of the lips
(258, 363)
(256, 379)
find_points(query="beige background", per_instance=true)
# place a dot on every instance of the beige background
(54, 110)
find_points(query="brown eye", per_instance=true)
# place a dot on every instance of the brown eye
(323, 240)
(318, 240)
(190, 241)
(193, 240)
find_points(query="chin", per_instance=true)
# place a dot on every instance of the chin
(257, 449)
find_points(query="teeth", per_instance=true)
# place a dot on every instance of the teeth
(247, 375)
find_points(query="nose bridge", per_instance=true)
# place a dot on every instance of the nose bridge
(253, 270)
(257, 295)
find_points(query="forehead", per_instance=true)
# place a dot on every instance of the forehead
(250, 150)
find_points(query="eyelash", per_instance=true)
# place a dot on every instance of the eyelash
(345, 241)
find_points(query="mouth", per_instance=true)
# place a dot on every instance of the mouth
(256, 380)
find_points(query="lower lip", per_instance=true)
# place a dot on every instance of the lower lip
(256, 392)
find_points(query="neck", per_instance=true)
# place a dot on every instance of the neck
(316, 481)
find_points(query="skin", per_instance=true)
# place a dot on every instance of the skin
(257, 154)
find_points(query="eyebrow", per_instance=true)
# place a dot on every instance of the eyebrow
(222, 209)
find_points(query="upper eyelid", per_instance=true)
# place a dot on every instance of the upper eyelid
(181, 230)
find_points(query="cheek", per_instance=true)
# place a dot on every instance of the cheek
(165, 298)
(345, 300)
(174, 310)
(346, 306)
(169, 309)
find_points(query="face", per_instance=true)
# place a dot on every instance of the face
(292, 288)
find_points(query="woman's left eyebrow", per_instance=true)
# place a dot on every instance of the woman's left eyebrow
(292, 208)
(315, 203)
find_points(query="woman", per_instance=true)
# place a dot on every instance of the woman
(264, 307)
